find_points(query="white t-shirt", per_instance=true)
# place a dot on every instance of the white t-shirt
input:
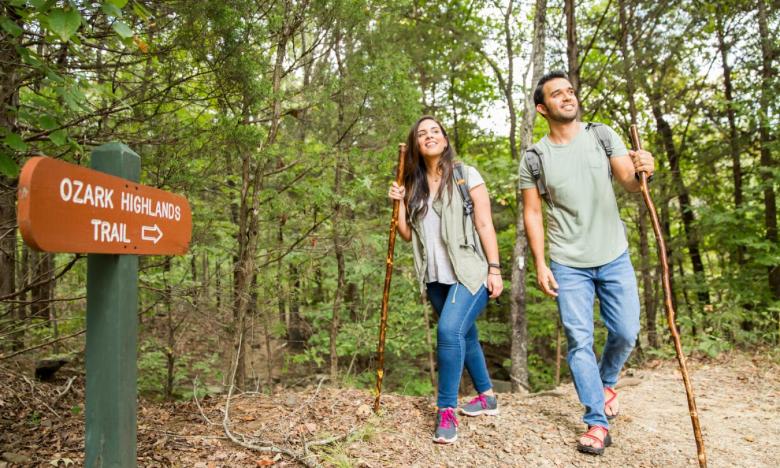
(439, 264)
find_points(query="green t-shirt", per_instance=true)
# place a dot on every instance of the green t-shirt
(583, 223)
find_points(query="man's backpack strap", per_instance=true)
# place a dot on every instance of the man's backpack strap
(460, 182)
(533, 158)
(604, 139)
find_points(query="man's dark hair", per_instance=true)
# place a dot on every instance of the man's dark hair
(538, 94)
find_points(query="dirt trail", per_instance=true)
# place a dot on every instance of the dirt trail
(738, 398)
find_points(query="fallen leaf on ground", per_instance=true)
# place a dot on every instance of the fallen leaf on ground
(364, 410)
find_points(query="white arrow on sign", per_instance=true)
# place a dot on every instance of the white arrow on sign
(151, 229)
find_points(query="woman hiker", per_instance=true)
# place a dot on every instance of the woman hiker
(457, 263)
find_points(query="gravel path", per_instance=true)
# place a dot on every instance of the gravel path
(738, 397)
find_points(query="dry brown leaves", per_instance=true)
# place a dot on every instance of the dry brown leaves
(535, 430)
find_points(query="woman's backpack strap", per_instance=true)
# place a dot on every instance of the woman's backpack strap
(461, 183)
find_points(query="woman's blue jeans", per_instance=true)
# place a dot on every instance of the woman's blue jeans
(615, 285)
(457, 343)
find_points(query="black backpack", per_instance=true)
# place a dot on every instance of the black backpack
(533, 156)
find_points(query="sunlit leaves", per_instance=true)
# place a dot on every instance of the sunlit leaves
(121, 28)
(64, 22)
(141, 11)
(111, 10)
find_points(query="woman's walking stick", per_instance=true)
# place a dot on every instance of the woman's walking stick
(380, 350)
(669, 308)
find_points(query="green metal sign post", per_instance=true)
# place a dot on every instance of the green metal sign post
(112, 333)
(105, 213)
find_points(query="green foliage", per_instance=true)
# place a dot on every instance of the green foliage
(494, 332)
(189, 371)
(121, 28)
(63, 22)
(713, 346)
(152, 370)
(194, 90)
(8, 166)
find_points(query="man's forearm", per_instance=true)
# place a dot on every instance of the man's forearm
(631, 184)
(534, 229)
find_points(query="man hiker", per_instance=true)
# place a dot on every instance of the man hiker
(570, 171)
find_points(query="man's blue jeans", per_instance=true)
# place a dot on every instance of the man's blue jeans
(615, 285)
(457, 343)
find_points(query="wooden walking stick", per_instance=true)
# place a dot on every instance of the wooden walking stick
(669, 307)
(380, 350)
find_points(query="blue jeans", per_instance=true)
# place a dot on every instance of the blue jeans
(615, 285)
(457, 343)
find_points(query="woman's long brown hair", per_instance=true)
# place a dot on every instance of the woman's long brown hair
(415, 171)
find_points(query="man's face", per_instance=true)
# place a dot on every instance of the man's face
(560, 102)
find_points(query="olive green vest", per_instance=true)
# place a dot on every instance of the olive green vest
(460, 239)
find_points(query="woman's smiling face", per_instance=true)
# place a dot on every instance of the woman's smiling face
(430, 138)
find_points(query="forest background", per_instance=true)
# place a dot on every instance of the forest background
(280, 120)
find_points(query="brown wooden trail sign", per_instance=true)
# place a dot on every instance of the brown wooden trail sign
(68, 208)
(105, 213)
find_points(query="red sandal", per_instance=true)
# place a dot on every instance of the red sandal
(605, 442)
(612, 395)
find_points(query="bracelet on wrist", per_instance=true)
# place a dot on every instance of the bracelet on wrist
(494, 265)
(494, 274)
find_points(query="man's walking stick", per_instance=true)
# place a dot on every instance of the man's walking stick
(380, 349)
(669, 308)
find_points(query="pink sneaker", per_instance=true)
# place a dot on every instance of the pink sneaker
(446, 427)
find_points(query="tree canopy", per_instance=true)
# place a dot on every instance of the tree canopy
(279, 121)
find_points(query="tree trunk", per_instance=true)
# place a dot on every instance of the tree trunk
(295, 332)
(281, 284)
(268, 321)
(249, 210)
(765, 137)
(728, 92)
(510, 81)
(648, 288)
(9, 90)
(218, 286)
(244, 265)
(572, 49)
(666, 227)
(686, 210)
(517, 300)
(170, 355)
(43, 268)
(205, 280)
(338, 246)
(645, 266)
(429, 343)
(455, 140)
(557, 376)
(194, 278)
